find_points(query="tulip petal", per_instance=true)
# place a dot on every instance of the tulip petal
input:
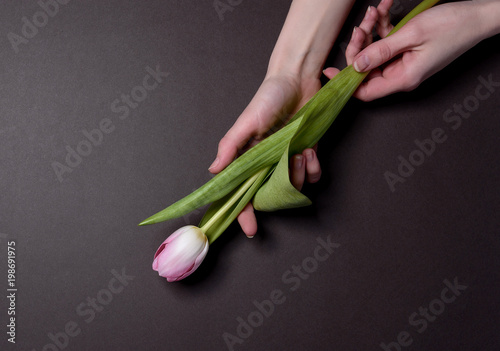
(155, 264)
(181, 253)
(196, 264)
(160, 249)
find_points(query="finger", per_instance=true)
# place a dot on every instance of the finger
(376, 88)
(297, 171)
(384, 50)
(388, 83)
(362, 36)
(248, 221)
(235, 138)
(313, 168)
(384, 25)
(356, 44)
(331, 72)
(361, 92)
(368, 24)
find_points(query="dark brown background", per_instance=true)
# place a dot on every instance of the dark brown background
(396, 248)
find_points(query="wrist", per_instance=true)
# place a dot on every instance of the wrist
(300, 64)
(307, 37)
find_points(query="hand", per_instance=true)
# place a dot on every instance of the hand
(424, 46)
(277, 99)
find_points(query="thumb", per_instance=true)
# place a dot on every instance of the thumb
(235, 139)
(382, 51)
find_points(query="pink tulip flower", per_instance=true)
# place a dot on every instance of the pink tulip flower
(182, 252)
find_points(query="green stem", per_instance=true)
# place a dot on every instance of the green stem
(424, 5)
(235, 198)
(353, 84)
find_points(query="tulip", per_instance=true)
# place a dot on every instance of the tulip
(182, 252)
(303, 130)
(259, 175)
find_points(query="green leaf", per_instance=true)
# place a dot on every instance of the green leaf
(317, 116)
(266, 153)
(278, 192)
(227, 216)
(304, 130)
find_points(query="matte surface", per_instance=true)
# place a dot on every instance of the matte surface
(392, 251)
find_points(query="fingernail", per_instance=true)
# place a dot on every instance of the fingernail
(250, 236)
(214, 164)
(299, 161)
(309, 155)
(354, 30)
(361, 63)
(368, 11)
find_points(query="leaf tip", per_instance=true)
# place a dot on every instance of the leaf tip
(147, 221)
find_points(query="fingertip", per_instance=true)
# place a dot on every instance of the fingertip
(220, 162)
(384, 6)
(361, 64)
(297, 171)
(357, 38)
(226, 153)
(248, 221)
(330, 72)
(309, 154)
(313, 167)
(368, 11)
(214, 167)
(298, 162)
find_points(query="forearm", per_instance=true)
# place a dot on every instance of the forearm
(489, 13)
(310, 29)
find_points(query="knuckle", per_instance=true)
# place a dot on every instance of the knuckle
(411, 82)
(365, 95)
(414, 34)
(313, 178)
(223, 143)
(360, 94)
(384, 51)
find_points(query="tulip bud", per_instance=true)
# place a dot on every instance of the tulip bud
(182, 252)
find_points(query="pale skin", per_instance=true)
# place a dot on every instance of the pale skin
(425, 45)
